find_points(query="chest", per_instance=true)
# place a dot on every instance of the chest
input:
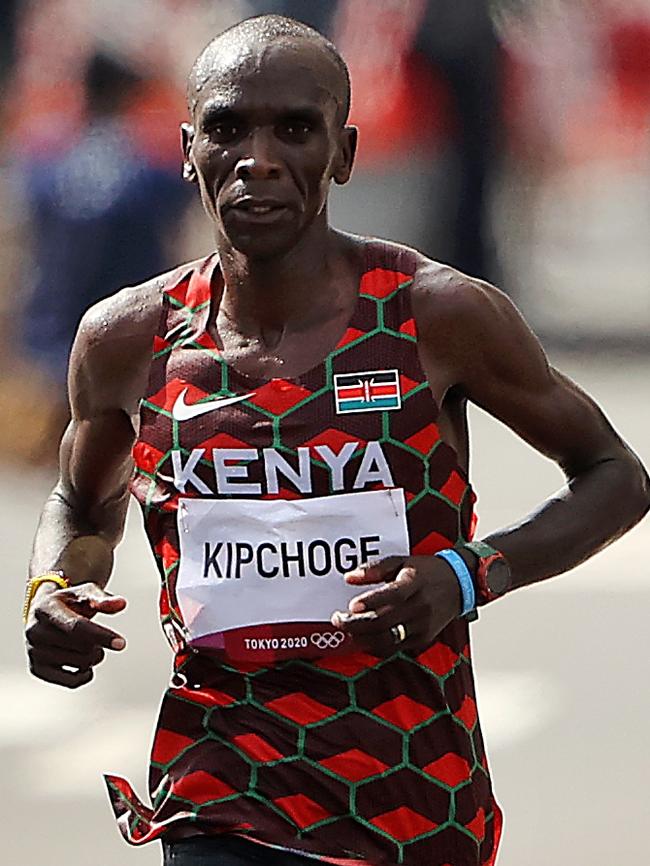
(340, 409)
(361, 418)
(275, 354)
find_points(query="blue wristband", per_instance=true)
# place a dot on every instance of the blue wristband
(456, 561)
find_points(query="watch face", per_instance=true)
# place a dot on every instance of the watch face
(498, 576)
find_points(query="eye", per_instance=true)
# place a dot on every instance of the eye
(222, 127)
(224, 131)
(295, 130)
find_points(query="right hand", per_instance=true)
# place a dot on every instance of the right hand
(63, 645)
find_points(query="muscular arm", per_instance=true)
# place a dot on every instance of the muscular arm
(491, 356)
(82, 520)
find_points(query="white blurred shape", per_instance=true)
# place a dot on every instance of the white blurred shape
(31, 709)
(73, 768)
(515, 706)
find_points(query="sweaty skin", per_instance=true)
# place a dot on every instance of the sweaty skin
(265, 141)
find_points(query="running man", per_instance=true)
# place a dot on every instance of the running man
(290, 413)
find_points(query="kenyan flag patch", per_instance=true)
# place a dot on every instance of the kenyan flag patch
(371, 391)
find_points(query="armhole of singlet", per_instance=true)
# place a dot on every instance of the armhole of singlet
(159, 333)
(467, 513)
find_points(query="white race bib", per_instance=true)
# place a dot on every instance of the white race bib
(260, 579)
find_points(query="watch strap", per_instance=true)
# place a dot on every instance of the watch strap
(481, 549)
(486, 555)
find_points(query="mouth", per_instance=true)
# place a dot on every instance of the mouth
(250, 207)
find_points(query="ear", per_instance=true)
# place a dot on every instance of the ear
(187, 137)
(344, 161)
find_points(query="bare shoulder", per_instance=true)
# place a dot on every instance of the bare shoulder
(440, 290)
(110, 357)
(471, 332)
(130, 314)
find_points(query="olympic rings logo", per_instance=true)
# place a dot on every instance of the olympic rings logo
(328, 639)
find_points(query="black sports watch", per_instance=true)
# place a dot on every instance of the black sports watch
(493, 577)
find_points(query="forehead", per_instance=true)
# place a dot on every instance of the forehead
(281, 74)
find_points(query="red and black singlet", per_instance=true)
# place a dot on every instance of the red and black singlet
(339, 754)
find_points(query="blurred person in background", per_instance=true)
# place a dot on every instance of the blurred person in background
(271, 746)
(100, 212)
(46, 147)
(430, 134)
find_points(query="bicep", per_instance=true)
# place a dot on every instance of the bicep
(509, 376)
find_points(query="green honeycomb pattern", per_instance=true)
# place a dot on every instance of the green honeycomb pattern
(288, 732)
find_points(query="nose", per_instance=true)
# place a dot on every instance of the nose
(258, 160)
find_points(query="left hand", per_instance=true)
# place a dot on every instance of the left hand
(419, 592)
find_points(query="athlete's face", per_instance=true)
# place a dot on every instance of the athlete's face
(265, 144)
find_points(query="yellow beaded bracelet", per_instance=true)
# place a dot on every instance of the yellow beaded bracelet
(57, 577)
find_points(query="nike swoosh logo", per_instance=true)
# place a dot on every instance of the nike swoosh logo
(182, 411)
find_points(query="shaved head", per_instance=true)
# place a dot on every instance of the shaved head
(264, 31)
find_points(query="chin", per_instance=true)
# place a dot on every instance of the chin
(261, 251)
(262, 245)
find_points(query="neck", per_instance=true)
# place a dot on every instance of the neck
(280, 292)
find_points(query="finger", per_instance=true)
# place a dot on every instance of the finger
(402, 588)
(76, 628)
(99, 635)
(354, 623)
(61, 677)
(374, 623)
(375, 572)
(381, 644)
(386, 642)
(55, 657)
(113, 604)
(43, 635)
(89, 599)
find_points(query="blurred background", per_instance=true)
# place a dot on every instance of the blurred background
(511, 139)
